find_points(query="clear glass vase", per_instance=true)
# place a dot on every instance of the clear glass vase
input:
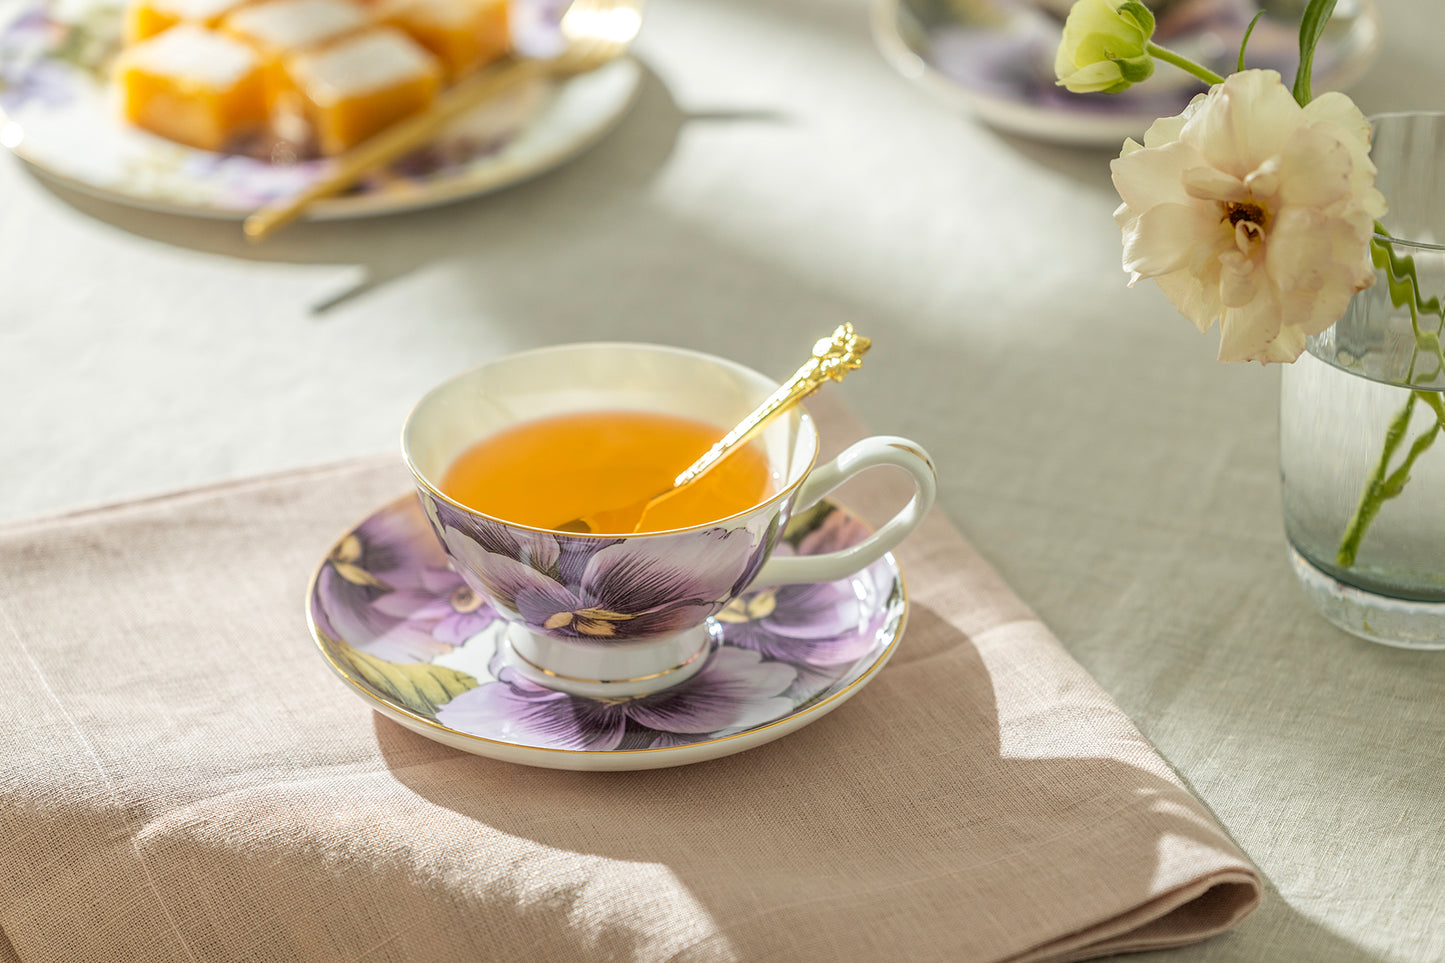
(1362, 444)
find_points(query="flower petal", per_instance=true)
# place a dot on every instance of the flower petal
(669, 619)
(736, 689)
(1209, 184)
(535, 717)
(1192, 297)
(1096, 78)
(413, 604)
(1314, 169)
(1317, 264)
(1145, 178)
(1246, 120)
(1162, 238)
(1245, 332)
(350, 616)
(461, 626)
(640, 575)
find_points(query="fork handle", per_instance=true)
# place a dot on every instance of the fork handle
(395, 141)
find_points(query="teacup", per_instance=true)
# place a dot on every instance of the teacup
(621, 616)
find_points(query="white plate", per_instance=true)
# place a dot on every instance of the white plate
(57, 112)
(995, 58)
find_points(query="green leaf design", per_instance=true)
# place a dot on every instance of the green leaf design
(418, 686)
(1311, 28)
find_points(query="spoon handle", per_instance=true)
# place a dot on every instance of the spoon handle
(833, 357)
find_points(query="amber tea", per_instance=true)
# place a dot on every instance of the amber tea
(545, 472)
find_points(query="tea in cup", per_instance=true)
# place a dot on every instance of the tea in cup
(504, 454)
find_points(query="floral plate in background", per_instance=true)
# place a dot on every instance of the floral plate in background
(57, 112)
(996, 58)
(405, 634)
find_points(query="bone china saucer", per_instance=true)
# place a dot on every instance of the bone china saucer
(995, 58)
(404, 633)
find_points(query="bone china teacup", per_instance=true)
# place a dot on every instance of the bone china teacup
(620, 616)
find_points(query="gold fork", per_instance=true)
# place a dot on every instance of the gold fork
(595, 33)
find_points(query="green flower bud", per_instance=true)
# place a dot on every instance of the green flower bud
(1105, 47)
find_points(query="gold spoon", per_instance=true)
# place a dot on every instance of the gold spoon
(833, 357)
(596, 32)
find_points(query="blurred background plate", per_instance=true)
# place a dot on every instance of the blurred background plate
(996, 58)
(58, 112)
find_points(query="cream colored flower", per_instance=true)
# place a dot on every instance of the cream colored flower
(1253, 211)
(1105, 46)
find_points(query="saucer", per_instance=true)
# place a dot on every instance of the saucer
(58, 112)
(995, 58)
(407, 636)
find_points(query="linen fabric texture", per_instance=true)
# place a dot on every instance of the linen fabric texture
(183, 779)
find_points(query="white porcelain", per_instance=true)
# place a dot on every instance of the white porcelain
(583, 621)
(994, 58)
(405, 634)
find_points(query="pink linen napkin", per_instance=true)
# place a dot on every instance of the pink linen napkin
(184, 779)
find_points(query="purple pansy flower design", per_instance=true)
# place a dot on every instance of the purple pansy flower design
(810, 624)
(42, 83)
(379, 558)
(736, 689)
(599, 590)
(440, 605)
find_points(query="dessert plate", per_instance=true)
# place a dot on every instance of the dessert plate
(996, 58)
(404, 634)
(58, 112)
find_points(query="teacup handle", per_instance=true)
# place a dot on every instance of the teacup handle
(868, 453)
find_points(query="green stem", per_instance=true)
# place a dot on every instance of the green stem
(1404, 287)
(1374, 495)
(1183, 63)
(1432, 400)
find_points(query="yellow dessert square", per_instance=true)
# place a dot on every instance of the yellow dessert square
(463, 34)
(280, 28)
(146, 18)
(355, 87)
(194, 86)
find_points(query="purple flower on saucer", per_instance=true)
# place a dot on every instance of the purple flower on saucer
(822, 629)
(814, 624)
(407, 634)
(356, 590)
(734, 690)
(440, 605)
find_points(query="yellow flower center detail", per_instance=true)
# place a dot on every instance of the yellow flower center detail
(465, 600)
(347, 550)
(596, 622)
(758, 606)
(1249, 213)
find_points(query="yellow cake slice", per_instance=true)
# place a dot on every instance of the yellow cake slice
(357, 86)
(193, 86)
(280, 28)
(463, 34)
(146, 18)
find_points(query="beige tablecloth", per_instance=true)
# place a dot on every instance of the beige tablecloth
(183, 779)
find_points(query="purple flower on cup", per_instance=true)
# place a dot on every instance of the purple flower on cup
(814, 624)
(599, 590)
(736, 689)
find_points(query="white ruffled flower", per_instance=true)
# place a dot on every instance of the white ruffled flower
(1253, 211)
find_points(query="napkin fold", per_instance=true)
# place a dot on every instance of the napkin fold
(184, 779)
